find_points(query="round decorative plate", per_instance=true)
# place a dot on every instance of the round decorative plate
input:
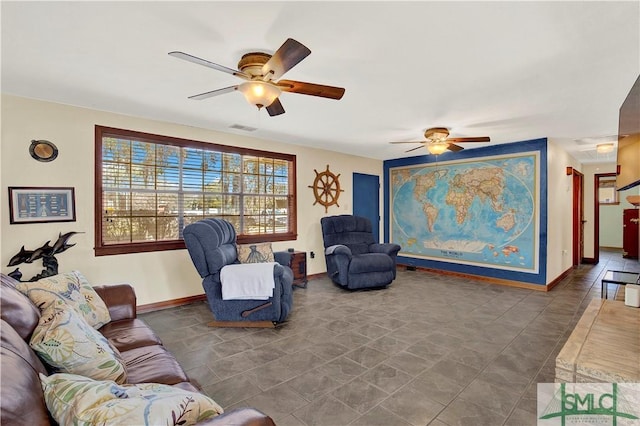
(42, 150)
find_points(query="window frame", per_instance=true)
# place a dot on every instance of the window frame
(608, 182)
(102, 249)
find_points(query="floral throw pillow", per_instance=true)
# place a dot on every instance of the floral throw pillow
(255, 253)
(64, 341)
(72, 288)
(77, 400)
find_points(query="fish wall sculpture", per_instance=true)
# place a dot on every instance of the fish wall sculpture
(45, 252)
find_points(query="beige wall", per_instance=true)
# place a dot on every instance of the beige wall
(169, 275)
(560, 210)
(156, 276)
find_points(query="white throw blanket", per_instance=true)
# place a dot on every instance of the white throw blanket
(247, 281)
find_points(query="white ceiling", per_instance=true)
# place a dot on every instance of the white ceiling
(509, 70)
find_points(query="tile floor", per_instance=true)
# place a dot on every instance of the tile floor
(430, 349)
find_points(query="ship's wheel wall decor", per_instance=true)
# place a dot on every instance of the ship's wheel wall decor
(326, 189)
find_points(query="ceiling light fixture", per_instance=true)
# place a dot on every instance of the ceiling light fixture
(604, 148)
(437, 148)
(259, 93)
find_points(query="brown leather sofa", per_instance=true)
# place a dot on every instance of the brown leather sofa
(147, 361)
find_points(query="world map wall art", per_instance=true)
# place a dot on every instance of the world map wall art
(482, 211)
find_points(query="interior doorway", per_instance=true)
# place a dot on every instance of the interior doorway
(578, 218)
(366, 200)
(597, 179)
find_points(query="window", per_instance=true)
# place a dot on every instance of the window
(149, 187)
(607, 191)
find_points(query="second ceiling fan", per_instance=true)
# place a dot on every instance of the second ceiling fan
(262, 71)
(438, 141)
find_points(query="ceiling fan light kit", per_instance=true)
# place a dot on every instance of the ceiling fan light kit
(437, 148)
(259, 93)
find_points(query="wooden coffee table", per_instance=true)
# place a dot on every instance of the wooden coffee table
(619, 278)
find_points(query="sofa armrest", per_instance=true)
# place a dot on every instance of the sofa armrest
(120, 299)
(278, 270)
(338, 249)
(282, 257)
(386, 248)
(240, 417)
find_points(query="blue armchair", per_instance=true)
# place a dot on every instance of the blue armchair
(354, 259)
(212, 245)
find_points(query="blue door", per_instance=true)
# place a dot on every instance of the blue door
(366, 200)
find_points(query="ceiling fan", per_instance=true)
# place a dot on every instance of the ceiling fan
(261, 71)
(438, 141)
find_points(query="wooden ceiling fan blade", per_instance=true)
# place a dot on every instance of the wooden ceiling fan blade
(408, 142)
(275, 108)
(204, 62)
(286, 57)
(213, 93)
(413, 149)
(311, 89)
(478, 139)
(455, 148)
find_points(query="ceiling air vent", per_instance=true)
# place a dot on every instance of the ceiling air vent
(245, 128)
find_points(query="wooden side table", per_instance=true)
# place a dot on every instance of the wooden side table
(299, 268)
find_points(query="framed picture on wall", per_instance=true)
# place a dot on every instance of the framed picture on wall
(41, 205)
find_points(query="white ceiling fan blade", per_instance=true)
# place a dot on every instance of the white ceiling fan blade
(213, 93)
(209, 64)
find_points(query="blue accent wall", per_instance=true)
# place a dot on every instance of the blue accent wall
(539, 145)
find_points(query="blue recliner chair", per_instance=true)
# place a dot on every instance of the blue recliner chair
(354, 259)
(212, 245)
